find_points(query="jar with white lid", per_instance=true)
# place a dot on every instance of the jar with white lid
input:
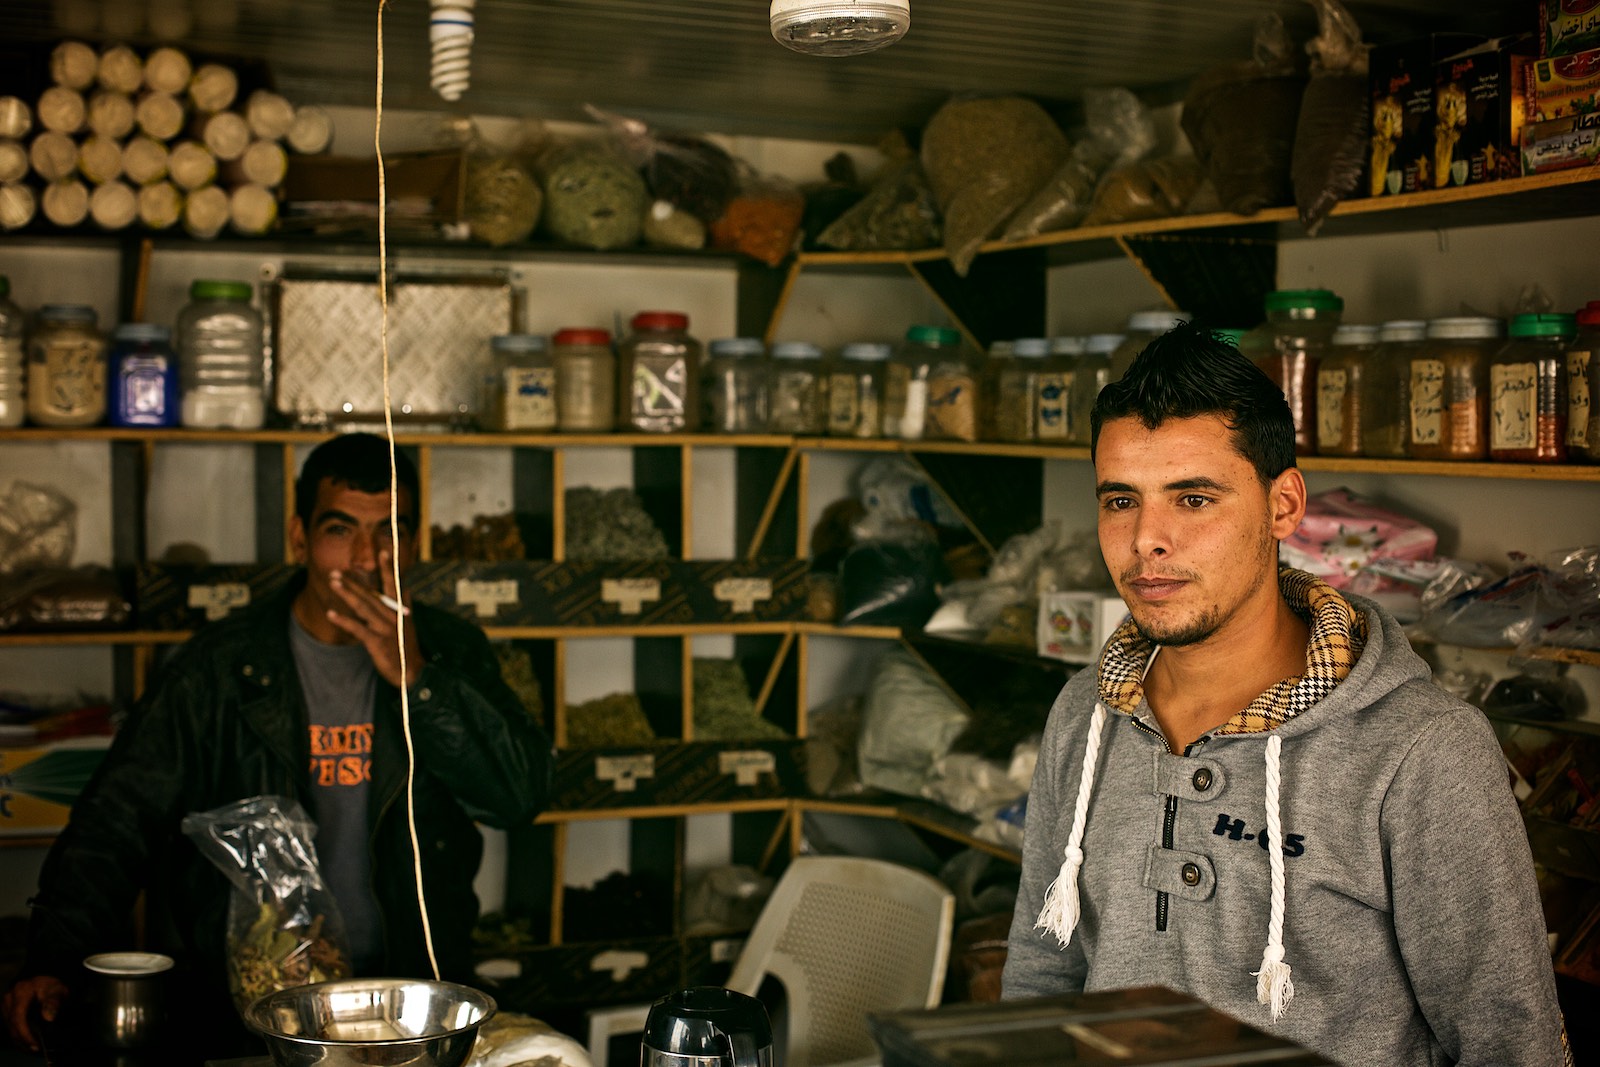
(1016, 389)
(1528, 390)
(1449, 388)
(797, 399)
(521, 394)
(1385, 399)
(856, 385)
(1052, 418)
(1339, 378)
(1092, 374)
(586, 380)
(66, 367)
(1143, 327)
(733, 386)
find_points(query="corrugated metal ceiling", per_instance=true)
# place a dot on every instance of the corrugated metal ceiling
(712, 65)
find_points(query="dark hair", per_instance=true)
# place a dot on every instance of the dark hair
(360, 461)
(1190, 371)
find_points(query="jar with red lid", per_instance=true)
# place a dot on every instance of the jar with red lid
(1583, 385)
(1528, 391)
(586, 380)
(658, 367)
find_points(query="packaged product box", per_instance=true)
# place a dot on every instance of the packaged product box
(1561, 144)
(1480, 106)
(1565, 86)
(1400, 80)
(1568, 26)
(38, 784)
(1074, 626)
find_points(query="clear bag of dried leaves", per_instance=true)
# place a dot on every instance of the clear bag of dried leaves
(899, 212)
(284, 928)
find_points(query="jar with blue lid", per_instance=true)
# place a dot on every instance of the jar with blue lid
(521, 387)
(143, 376)
(797, 398)
(733, 386)
(855, 390)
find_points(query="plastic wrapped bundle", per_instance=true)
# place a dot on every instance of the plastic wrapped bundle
(593, 198)
(1330, 140)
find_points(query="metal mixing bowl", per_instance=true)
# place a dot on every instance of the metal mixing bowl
(371, 1022)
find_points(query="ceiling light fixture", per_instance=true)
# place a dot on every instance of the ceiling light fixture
(839, 27)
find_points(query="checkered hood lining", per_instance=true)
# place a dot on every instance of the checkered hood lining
(1338, 634)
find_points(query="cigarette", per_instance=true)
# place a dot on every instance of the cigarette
(392, 604)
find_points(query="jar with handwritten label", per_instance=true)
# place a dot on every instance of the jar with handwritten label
(1583, 387)
(658, 374)
(733, 386)
(522, 384)
(1385, 392)
(66, 367)
(1052, 419)
(797, 400)
(1339, 389)
(1092, 374)
(586, 380)
(1528, 391)
(1448, 385)
(855, 390)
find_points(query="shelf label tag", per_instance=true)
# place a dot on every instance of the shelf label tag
(624, 772)
(747, 766)
(630, 594)
(486, 597)
(619, 962)
(217, 600)
(742, 594)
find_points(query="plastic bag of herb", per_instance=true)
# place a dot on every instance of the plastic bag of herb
(593, 197)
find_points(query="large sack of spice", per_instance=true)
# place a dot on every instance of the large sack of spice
(985, 157)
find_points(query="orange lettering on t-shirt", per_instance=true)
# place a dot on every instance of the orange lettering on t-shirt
(340, 754)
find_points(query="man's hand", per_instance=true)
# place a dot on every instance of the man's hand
(372, 622)
(47, 992)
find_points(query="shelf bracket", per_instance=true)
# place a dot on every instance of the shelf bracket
(1220, 279)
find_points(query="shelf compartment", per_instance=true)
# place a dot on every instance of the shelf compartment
(686, 775)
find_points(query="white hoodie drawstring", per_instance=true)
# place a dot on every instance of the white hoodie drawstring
(1273, 986)
(1059, 915)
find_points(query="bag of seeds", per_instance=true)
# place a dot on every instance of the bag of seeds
(284, 928)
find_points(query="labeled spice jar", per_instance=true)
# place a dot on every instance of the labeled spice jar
(856, 387)
(658, 367)
(1448, 388)
(1339, 389)
(1583, 386)
(733, 386)
(1143, 327)
(1385, 390)
(955, 394)
(1015, 390)
(1092, 374)
(521, 393)
(797, 400)
(586, 380)
(144, 376)
(1528, 390)
(1052, 420)
(13, 360)
(907, 387)
(66, 367)
(1290, 345)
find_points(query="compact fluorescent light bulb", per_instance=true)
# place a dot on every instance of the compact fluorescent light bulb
(839, 27)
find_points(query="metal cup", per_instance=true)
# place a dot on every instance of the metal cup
(127, 997)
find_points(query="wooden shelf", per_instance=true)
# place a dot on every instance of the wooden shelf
(100, 637)
(921, 814)
(664, 811)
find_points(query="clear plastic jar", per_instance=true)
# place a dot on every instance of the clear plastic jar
(1339, 389)
(955, 394)
(1583, 386)
(1290, 345)
(1528, 391)
(733, 386)
(1092, 374)
(66, 367)
(13, 360)
(995, 361)
(220, 361)
(855, 390)
(1385, 393)
(1015, 390)
(1143, 327)
(1052, 419)
(586, 380)
(144, 376)
(521, 394)
(797, 397)
(658, 369)
(907, 387)
(1449, 388)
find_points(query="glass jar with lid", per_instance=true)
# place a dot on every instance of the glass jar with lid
(1448, 388)
(522, 384)
(1143, 327)
(1339, 389)
(220, 359)
(906, 387)
(1052, 419)
(1583, 387)
(586, 380)
(144, 376)
(66, 367)
(733, 386)
(995, 361)
(1290, 345)
(658, 368)
(1015, 390)
(13, 360)
(1092, 374)
(1528, 390)
(1385, 392)
(955, 394)
(797, 399)
(855, 389)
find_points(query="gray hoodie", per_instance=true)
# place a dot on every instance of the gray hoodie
(1408, 914)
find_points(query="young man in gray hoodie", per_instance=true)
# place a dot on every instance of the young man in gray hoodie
(1259, 797)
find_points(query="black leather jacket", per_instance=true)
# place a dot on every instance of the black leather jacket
(223, 721)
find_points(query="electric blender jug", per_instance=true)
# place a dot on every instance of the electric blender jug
(707, 1026)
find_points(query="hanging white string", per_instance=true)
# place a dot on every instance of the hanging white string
(394, 510)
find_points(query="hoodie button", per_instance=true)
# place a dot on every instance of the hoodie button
(1202, 781)
(1190, 874)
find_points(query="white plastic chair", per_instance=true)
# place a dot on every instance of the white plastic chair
(847, 936)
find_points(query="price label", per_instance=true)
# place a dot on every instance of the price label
(217, 600)
(624, 772)
(747, 767)
(486, 597)
(630, 594)
(742, 594)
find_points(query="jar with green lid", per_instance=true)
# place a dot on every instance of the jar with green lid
(1015, 390)
(658, 371)
(521, 394)
(1052, 420)
(733, 386)
(586, 380)
(1092, 374)
(856, 384)
(13, 360)
(1339, 389)
(1385, 400)
(66, 367)
(1583, 386)
(797, 400)
(1143, 327)
(1448, 388)
(221, 361)
(907, 389)
(1528, 390)
(1289, 347)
